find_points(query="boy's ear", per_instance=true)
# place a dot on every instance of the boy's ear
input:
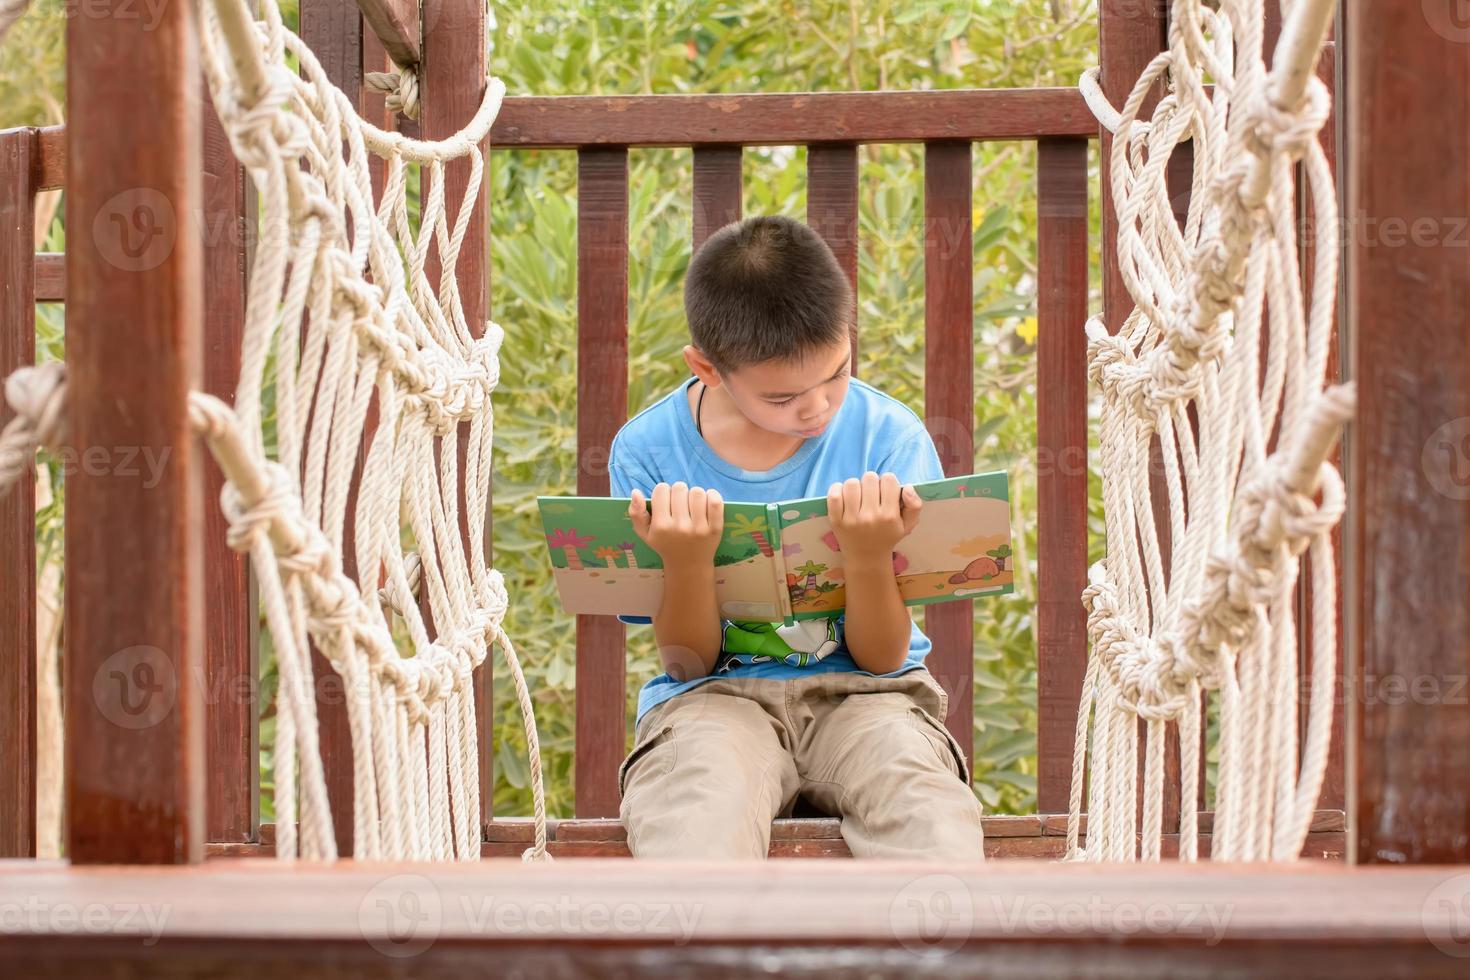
(701, 367)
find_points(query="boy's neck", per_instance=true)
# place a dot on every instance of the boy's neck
(732, 436)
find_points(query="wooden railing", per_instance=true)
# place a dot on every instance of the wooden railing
(601, 130)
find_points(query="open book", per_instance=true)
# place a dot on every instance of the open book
(781, 561)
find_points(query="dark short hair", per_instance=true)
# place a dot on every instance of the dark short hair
(765, 288)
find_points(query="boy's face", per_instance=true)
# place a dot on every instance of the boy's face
(794, 398)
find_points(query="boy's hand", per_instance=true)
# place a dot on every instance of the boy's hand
(684, 525)
(872, 515)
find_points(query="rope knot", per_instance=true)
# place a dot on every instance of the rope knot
(400, 89)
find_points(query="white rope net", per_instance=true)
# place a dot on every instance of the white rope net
(1221, 350)
(342, 317)
(342, 320)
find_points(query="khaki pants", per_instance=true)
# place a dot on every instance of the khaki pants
(711, 768)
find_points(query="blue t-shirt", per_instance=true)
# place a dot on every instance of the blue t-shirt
(871, 431)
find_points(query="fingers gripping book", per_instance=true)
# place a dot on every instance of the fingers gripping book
(781, 561)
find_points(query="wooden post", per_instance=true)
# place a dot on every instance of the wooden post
(717, 189)
(1061, 444)
(134, 516)
(18, 164)
(1407, 112)
(1129, 35)
(451, 87)
(333, 31)
(832, 210)
(949, 396)
(231, 673)
(602, 407)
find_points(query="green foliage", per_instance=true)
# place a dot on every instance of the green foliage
(566, 47)
(563, 47)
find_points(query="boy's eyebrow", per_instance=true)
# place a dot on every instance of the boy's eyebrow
(792, 394)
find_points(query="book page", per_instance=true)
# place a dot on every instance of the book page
(602, 567)
(960, 548)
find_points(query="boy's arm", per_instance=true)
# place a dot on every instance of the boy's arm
(684, 526)
(687, 625)
(870, 516)
(877, 625)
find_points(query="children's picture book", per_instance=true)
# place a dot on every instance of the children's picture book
(781, 561)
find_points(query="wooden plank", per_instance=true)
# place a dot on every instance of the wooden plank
(134, 602)
(571, 121)
(231, 670)
(395, 24)
(832, 210)
(717, 189)
(333, 31)
(374, 108)
(949, 397)
(50, 277)
(602, 407)
(451, 87)
(1061, 445)
(19, 150)
(1408, 290)
(1006, 836)
(846, 918)
(51, 165)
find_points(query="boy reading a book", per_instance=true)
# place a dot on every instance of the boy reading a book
(748, 714)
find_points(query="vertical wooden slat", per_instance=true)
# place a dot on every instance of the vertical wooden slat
(832, 210)
(602, 407)
(1408, 112)
(1334, 786)
(1129, 35)
(18, 151)
(949, 396)
(134, 603)
(451, 87)
(231, 677)
(333, 31)
(1061, 443)
(717, 189)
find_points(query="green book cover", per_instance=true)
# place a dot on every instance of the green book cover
(781, 561)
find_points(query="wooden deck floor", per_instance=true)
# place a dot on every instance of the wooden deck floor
(843, 918)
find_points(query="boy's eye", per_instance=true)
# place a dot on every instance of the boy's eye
(788, 401)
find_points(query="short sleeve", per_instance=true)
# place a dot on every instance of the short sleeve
(623, 475)
(913, 458)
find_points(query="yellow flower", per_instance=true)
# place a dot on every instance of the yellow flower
(1026, 330)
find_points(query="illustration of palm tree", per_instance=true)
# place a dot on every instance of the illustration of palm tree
(569, 541)
(627, 547)
(811, 570)
(609, 555)
(1000, 555)
(755, 528)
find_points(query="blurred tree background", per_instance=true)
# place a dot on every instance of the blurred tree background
(578, 47)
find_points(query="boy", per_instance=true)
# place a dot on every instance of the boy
(749, 715)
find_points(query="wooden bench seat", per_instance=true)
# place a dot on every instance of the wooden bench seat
(1041, 836)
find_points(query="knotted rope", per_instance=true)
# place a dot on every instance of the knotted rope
(1215, 301)
(400, 89)
(336, 324)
